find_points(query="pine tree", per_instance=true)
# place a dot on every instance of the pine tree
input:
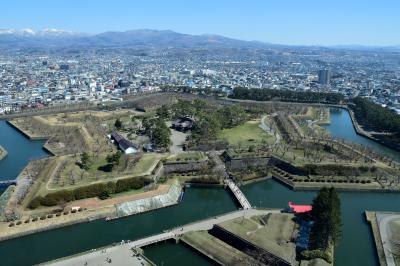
(327, 218)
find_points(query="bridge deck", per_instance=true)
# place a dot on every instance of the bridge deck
(97, 256)
(238, 194)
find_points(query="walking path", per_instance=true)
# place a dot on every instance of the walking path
(270, 130)
(238, 194)
(219, 167)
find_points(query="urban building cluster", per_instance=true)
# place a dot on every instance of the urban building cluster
(37, 79)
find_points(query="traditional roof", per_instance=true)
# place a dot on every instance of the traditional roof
(122, 142)
(116, 136)
(299, 208)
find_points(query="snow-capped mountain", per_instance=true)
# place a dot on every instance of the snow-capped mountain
(141, 38)
(22, 32)
(41, 33)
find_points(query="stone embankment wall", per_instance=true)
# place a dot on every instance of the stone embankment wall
(242, 163)
(184, 167)
(152, 203)
(286, 166)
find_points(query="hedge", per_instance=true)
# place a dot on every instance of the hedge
(317, 253)
(94, 190)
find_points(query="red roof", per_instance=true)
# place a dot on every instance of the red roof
(300, 208)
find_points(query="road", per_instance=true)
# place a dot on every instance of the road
(178, 139)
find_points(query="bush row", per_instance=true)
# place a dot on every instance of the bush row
(101, 190)
(43, 217)
(331, 181)
(317, 253)
(205, 180)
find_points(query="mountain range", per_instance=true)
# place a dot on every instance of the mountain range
(142, 38)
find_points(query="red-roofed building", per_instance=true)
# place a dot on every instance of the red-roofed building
(299, 208)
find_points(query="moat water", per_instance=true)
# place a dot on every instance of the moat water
(355, 248)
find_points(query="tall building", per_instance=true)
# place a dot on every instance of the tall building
(324, 76)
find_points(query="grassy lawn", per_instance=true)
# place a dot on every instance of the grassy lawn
(146, 164)
(71, 171)
(275, 236)
(246, 135)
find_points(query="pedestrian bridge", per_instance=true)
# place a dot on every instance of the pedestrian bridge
(119, 251)
(238, 194)
(206, 224)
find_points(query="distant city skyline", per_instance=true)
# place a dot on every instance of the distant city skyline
(285, 22)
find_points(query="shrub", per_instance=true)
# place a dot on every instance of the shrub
(42, 217)
(102, 190)
(27, 221)
(18, 223)
(317, 253)
(11, 225)
(50, 216)
(58, 214)
(73, 211)
(34, 219)
(35, 202)
(66, 212)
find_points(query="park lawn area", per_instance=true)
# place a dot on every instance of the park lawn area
(275, 236)
(143, 167)
(246, 135)
(146, 164)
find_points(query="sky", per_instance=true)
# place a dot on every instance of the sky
(293, 22)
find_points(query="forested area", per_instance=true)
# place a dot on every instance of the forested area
(375, 116)
(157, 130)
(208, 119)
(286, 96)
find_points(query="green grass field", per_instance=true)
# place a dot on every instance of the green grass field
(246, 135)
(274, 236)
(71, 170)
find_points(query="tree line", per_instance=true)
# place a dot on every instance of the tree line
(327, 218)
(101, 190)
(286, 95)
(374, 115)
